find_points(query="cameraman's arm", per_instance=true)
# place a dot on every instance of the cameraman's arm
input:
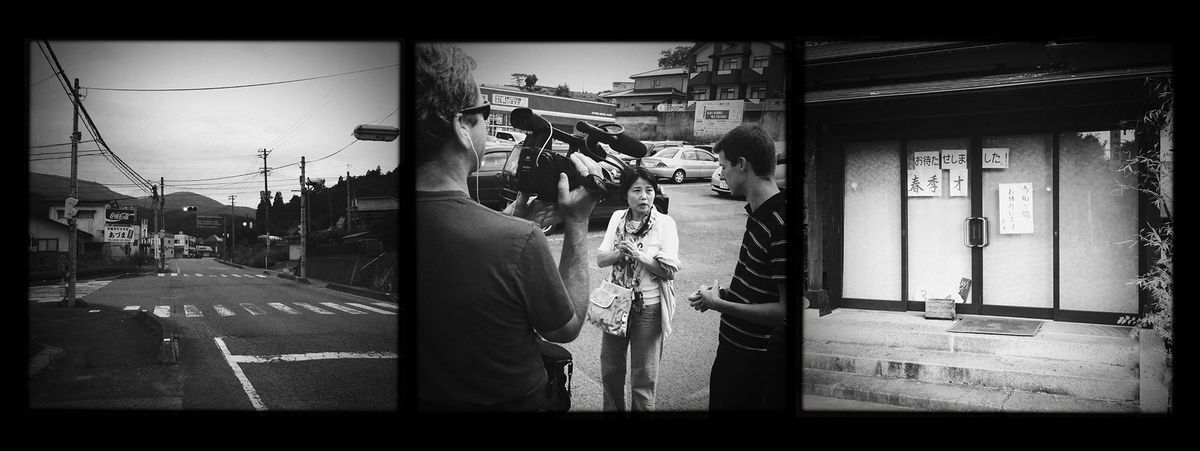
(576, 207)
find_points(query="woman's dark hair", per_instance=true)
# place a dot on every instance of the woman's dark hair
(631, 176)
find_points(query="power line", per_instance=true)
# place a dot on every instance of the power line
(242, 86)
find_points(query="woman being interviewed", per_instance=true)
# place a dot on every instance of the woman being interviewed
(642, 246)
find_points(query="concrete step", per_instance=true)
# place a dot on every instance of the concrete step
(1056, 340)
(1040, 375)
(925, 396)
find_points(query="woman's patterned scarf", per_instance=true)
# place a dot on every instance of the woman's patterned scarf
(626, 270)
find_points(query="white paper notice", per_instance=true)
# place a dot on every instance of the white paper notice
(954, 158)
(957, 182)
(925, 182)
(1016, 208)
(994, 157)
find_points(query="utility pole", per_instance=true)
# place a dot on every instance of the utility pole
(162, 221)
(232, 229)
(266, 211)
(349, 224)
(71, 222)
(303, 219)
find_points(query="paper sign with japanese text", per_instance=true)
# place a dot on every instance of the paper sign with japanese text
(994, 157)
(926, 159)
(926, 182)
(954, 158)
(957, 182)
(1016, 208)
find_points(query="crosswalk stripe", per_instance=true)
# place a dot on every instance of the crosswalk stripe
(223, 275)
(130, 307)
(174, 274)
(161, 274)
(370, 309)
(253, 309)
(387, 305)
(222, 311)
(162, 311)
(283, 308)
(260, 275)
(344, 309)
(313, 308)
(192, 311)
(199, 275)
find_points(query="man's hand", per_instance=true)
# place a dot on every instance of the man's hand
(706, 297)
(541, 213)
(576, 205)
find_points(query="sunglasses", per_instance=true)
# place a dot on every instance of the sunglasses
(485, 110)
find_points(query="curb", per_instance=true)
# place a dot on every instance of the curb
(294, 278)
(235, 265)
(168, 353)
(361, 292)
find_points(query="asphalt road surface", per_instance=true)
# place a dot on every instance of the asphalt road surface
(710, 235)
(251, 341)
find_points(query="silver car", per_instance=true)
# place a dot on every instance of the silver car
(681, 163)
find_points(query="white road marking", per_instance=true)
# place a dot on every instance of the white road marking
(174, 274)
(130, 307)
(283, 308)
(223, 275)
(162, 311)
(253, 309)
(192, 311)
(387, 305)
(199, 275)
(344, 309)
(370, 309)
(237, 371)
(311, 356)
(313, 308)
(222, 311)
(260, 275)
(161, 274)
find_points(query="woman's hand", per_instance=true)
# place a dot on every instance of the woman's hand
(706, 297)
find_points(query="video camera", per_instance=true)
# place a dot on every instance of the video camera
(539, 165)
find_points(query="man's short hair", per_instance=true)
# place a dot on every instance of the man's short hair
(444, 86)
(751, 142)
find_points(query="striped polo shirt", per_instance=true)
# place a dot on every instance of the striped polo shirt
(761, 267)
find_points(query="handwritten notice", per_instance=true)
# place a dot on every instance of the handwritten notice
(926, 159)
(925, 182)
(956, 183)
(954, 159)
(995, 157)
(1016, 208)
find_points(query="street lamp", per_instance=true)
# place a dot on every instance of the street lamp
(368, 132)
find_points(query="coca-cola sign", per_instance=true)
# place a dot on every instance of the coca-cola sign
(123, 217)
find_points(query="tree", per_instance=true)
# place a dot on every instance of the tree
(562, 90)
(519, 79)
(676, 57)
(531, 82)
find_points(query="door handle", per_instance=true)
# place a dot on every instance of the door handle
(975, 236)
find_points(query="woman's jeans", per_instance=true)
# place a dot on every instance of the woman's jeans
(644, 338)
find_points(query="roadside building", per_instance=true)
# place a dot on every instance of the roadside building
(562, 112)
(933, 163)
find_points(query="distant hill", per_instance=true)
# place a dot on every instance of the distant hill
(204, 205)
(46, 188)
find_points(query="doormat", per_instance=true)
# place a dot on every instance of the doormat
(997, 325)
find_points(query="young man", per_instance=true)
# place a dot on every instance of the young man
(753, 309)
(487, 286)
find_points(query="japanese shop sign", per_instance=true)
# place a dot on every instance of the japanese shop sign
(120, 216)
(118, 234)
(1016, 208)
(717, 117)
(995, 157)
(513, 101)
(954, 159)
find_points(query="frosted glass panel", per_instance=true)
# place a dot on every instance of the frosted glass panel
(937, 256)
(872, 222)
(1097, 223)
(1018, 268)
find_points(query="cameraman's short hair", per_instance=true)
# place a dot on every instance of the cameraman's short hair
(751, 142)
(444, 85)
(631, 176)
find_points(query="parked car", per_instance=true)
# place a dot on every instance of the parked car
(601, 212)
(651, 148)
(510, 136)
(681, 163)
(722, 189)
(484, 185)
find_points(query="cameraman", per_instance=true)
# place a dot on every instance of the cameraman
(487, 284)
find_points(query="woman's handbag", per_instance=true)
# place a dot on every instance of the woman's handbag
(559, 366)
(608, 308)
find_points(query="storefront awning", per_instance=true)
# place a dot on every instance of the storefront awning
(561, 117)
(1008, 81)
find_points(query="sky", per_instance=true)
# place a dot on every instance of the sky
(583, 66)
(207, 141)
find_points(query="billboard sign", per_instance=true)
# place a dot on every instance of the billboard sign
(118, 234)
(717, 117)
(209, 222)
(120, 217)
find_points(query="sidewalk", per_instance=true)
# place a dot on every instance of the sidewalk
(98, 357)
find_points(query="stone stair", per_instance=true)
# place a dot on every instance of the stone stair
(902, 359)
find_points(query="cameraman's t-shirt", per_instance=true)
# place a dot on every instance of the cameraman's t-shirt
(485, 282)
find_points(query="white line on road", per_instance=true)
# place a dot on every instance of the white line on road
(199, 275)
(130, 307)
(222, 311)
(192, 311)
(344, 309)
(162, 311)
(370, 309)
(253, 309)
(313, 308)
(283, 308)
(161, 274)
(387, 305)
(223, 275)
(237, 371)
(260, 275)
(311, 356)
(174, 274)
